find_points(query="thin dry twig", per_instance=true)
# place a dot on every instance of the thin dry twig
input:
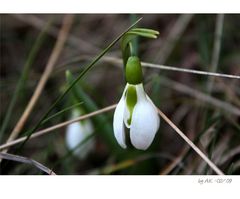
(67, 22)
(47, 130)
(191, 144)
(115, 60)
(199, 72)
(26, 160)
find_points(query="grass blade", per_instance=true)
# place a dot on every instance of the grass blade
(61, 112)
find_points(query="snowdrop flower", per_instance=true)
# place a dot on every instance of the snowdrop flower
(78, 132)
(135, 112)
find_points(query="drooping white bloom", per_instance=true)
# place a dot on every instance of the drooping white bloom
(136, 112)
(76, 133)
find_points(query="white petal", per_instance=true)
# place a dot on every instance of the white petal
(145, 121)
(76, 133)
(118, 125)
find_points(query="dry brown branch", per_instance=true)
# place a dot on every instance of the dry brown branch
(185, 70)
(118, 61)
(191, 144)
(67, 22)
(47, 130)
(25, 160)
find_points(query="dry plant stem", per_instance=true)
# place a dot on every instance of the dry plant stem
(25, 160)
(191, 144)
(67, 22)
(47, 130)
(172, 68)
(216, 49)
(174, 34)
(199, 72)
(119, 63)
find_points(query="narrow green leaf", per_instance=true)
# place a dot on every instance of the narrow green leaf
(61, 112)
(142, 34)
(145, 30)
